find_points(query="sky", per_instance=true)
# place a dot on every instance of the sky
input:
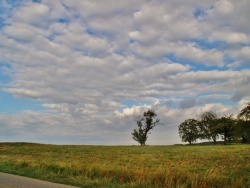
(80, 72)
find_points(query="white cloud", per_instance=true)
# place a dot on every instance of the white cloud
(230, 14)
(245, 52)
(224, 7)
(194, 53)
(19, 33)
(230, 37)
(240, 54)
(32, 13)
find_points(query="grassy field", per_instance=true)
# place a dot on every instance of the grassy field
(130, 166)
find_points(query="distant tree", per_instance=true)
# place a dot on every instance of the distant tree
(243, 123)
(189, 130)
(208, 126)
(245, 112)
(243, 130)
(145, 123)
(226, 127)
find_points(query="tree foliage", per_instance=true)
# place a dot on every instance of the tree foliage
(189, 130)
(243, 130)
(145, 123)
(208, 126)
(226, 128)
(243, 123)
(245, 112)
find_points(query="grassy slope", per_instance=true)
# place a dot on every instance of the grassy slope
(130, 166)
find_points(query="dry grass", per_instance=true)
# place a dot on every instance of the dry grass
(131, 166)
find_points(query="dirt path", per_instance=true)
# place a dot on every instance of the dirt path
(13, 181)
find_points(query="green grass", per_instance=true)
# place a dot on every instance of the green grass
(130, 166)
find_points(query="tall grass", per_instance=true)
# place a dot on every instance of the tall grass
(131, 166)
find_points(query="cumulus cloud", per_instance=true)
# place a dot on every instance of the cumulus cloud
(223, 7)
(85, 59)
(230, 37)
(192, 52)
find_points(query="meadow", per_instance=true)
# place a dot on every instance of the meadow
(198, 166)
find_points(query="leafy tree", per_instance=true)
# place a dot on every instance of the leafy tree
(245, 112)
(189, 130)
(208, 126)
(145, 123)
(243, 130)
(226, 127)
(244, 123)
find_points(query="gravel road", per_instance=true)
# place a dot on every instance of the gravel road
(13, 181)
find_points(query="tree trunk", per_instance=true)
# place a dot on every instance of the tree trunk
(225, 140)
(143, 144)
(214, 139)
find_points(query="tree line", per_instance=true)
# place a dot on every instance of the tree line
(208, 126)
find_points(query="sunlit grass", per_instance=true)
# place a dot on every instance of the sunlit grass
(131, 166)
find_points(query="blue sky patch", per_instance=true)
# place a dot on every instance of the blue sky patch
(12, 105)
(195, 66)
(36, 1)
(4, 77)
(199, 13)
(205, 44)
(130, 103)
